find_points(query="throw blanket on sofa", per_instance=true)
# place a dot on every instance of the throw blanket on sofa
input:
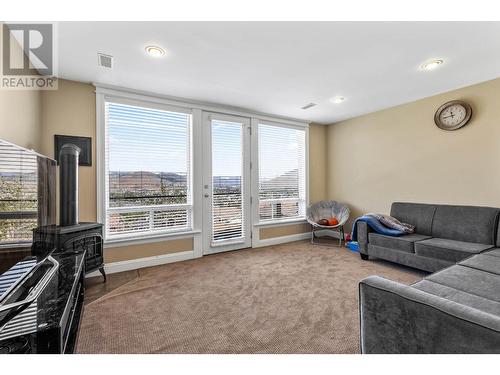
(382, 224)
(393, 223)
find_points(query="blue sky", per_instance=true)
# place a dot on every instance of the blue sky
(154, 140)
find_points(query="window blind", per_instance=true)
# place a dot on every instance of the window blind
(227, 181)
(282, 172)
(18, 194)
(148, 161)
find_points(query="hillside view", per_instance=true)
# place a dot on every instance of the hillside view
(139, 188)
(142, 189)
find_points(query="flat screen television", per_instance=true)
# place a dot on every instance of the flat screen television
(27, 198)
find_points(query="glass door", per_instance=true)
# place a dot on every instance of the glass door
(226, 183)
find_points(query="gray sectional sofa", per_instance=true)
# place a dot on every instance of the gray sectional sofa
(453, 310)
(443, 235)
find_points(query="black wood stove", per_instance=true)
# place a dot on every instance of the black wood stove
(70, 235)
(74, 239)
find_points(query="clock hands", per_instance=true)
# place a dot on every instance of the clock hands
(453, 115)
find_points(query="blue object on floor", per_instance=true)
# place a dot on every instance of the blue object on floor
(353, 245)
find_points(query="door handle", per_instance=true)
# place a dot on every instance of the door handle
(206, 195)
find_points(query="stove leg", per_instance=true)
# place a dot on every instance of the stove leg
(103, 273)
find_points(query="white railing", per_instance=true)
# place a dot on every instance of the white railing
(126, 221)
(281, 209)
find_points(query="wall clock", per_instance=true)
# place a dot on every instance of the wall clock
(453, 115)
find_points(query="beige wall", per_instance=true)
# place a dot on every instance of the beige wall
(20, 111)
(20, 117)
(117, 254)
(317, 181)
(70, 110)
(285, 230)
(399, 154)
(317, 162)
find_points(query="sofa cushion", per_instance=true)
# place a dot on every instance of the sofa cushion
(459, 296)
(401, 243)
(483, 262)
(418, 214)
(466, 223)
(450, 250)
(495, 252)
(469, 280)
(408, 259)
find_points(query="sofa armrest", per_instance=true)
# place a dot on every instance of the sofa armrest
(396, 318)
(362, 236)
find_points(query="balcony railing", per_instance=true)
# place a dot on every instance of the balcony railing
(281, 209)
(124, 221)
(227, 214)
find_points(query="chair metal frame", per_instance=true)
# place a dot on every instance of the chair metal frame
(324, 210)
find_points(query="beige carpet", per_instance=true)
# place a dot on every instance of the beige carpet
(291, 298)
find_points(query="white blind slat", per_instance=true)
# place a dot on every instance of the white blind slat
(282, 174)
(227, 181)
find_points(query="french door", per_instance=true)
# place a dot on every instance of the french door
(226, 183)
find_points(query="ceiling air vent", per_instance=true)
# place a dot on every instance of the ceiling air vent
(105, 61)
(310, 105)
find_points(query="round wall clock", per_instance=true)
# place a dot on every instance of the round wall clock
(453, 115)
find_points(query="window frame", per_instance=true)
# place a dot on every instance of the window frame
(105, 92)
(257, 222)
(104, 200)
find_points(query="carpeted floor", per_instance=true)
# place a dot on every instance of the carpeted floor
(290, 298)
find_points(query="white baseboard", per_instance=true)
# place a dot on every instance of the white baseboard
(282, 239)
(133, 264)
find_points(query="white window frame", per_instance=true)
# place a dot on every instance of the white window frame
(255, 172)
(108, 92)
(103, 209)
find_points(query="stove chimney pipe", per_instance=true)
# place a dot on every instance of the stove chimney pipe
(68, 184)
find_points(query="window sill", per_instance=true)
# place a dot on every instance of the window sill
(138, 240)
(278, 223)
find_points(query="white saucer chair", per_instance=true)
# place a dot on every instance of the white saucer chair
(326, 210)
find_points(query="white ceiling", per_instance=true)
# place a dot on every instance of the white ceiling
(278, 67)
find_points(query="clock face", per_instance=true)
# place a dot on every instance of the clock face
(453, 115)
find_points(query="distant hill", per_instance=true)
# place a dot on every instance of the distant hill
(143, 180)
(287, 180)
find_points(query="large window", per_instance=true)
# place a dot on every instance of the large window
(282, 172)
(148, 170)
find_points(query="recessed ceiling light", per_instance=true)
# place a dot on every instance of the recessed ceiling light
(337, 99)
(431, 65)
(155, 51)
